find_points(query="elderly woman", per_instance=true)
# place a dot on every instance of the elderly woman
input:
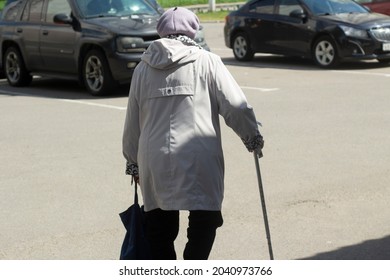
(172, 138)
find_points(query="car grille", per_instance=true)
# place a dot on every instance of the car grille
(150, 39)
(381, 34)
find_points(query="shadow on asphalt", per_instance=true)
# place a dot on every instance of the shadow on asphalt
(376, 249)
(299, 63)
(69, 89)
(58, 89)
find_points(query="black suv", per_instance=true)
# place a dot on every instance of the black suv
(98, 42)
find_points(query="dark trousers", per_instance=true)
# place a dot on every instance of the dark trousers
(162, 228)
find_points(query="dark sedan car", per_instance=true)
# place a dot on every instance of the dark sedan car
(328, 31)
(98, 42)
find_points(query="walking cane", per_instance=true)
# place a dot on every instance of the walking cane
(271, 255)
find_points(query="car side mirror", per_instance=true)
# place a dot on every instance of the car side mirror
(299, 14)
(62, 19)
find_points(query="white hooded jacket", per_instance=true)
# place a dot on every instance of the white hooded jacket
(172, 129)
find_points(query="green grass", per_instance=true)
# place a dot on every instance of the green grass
(174, 3)
(216, 16)
(207, 16)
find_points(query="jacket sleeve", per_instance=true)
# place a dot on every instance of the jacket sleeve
(131, 130)
(234, 108)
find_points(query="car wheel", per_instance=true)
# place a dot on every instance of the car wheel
(325, 52)
(96, 73)
(14, 68)
(241, 48)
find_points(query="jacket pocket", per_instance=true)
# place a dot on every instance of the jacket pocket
(173, 91)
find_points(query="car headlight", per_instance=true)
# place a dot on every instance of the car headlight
(354, 32)
(130, 44)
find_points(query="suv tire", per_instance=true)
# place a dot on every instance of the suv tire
(384, 60)
(14, 68)
(96, 73)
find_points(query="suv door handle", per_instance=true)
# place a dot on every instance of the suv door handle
(45, 32)
(19, 30)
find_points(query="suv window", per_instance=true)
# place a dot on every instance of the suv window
(33, 11)
(94, 8)
(10, 12)
(57, 7)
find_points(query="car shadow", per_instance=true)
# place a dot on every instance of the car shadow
(299, 63)
(375, 249)
(59, 89)
(70, 89)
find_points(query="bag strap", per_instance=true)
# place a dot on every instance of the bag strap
(136, 194)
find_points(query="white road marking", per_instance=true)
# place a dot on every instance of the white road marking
(260, 89)
(387, 75)
(70, 101)
(94, 104)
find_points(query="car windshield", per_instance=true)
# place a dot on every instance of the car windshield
(113, 8)
(331, 7)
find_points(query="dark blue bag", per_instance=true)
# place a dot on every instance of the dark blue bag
(135, 245)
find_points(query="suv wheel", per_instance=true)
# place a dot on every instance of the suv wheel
(241, 48)
(384, 60)
(14, 69)
(96, 73)
(325, 52)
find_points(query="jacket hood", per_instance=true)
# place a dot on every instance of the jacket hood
(168, 53)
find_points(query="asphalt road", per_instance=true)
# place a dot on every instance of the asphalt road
(326, 166)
